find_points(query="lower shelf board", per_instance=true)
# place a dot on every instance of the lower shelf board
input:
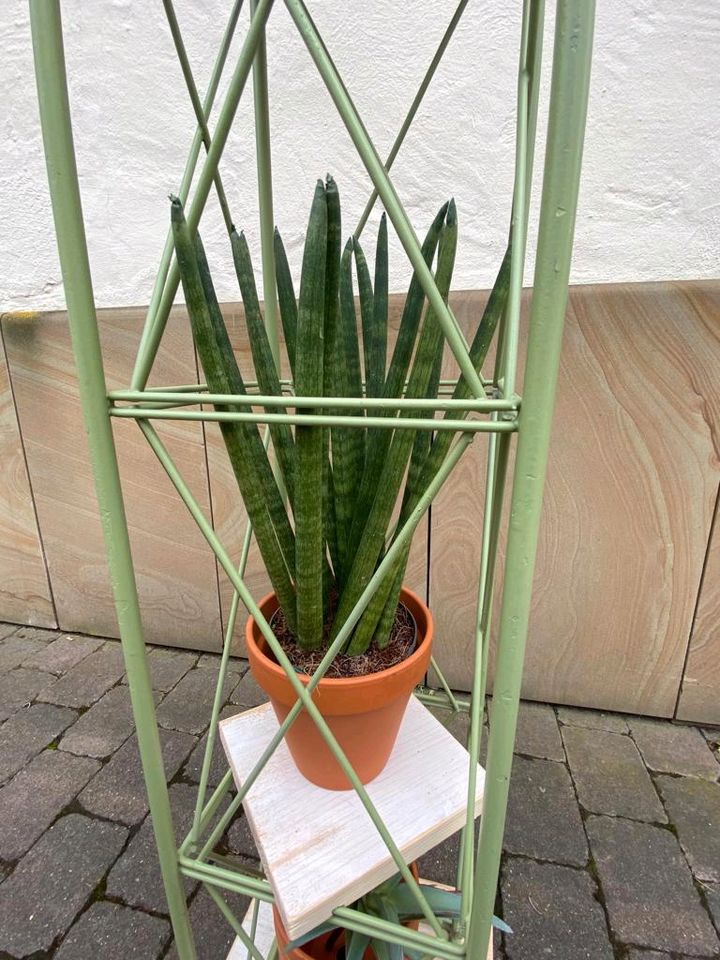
(265, 934)
(319, 847)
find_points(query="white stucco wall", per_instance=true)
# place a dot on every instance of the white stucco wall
(650, 205)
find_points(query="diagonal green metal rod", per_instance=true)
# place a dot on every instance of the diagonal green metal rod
(199, 815)
(164, 266)
(218, 698)
(563, 157)
(49, 57)
(197, 106)
(232, 880)
(237, 926)
(265, 194)
(304, 694)
(445, 685)
(394, 208)
(254, 920)
(414, 106)
(528, 92)
(519, 218)
(155, 326)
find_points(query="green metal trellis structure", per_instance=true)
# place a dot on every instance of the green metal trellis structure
(494, 408)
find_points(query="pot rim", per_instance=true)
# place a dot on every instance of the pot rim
(423, 638)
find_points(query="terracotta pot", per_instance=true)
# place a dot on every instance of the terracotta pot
(364, 713)
(327, 946)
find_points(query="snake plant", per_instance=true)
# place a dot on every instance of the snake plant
(322, 542)
(392, 901)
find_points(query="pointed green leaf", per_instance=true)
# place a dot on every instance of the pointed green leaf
(372, 540)
(265, 370)
(317, 931)
(246, 452)
(378, 441)
(309, 530)
(355, 945)
(348, 451)
(332, 312)
(286, 299)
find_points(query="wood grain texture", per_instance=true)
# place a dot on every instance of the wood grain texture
(175, 569)
(228, 509)
(24, 586)
(632, 480)
(700, 693)
(333, 854)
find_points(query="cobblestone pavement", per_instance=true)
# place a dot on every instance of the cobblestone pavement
(612, 849)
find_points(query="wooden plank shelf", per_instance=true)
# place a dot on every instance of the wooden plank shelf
(265, 933)
(319, 848)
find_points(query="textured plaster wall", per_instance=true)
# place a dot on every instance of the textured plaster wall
(650, 204)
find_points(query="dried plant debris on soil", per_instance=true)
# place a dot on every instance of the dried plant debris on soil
(399, 648)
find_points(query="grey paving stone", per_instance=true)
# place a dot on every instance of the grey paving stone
(114, 932)
(694, 808)
(213, 934)
(20, 687)
(457, 723)
(537, 732)
(37, 633)
(247, 693)
(649, 891)
(62, 654)
(634, 954)
(240, 840)
(219, 764)
(592, 719)
(88, 680)
(440, 864)
(14, 650)
(52, 882)
(136, 879)
(647, 955)
(610, 776)
(553, 913)
(6, 629)
(211, 661)
(103, 728)
(672, 748)
(187, 707)
(37, 795)
(167, 667)
(712, 896)
(28, 732)
(118, 790)
(543, 820)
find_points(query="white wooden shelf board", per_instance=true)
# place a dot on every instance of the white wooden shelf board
(319, 848)
(265, 933)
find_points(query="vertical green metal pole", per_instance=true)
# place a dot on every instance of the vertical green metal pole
(265, 194)
(67, 211)
(566, 127)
